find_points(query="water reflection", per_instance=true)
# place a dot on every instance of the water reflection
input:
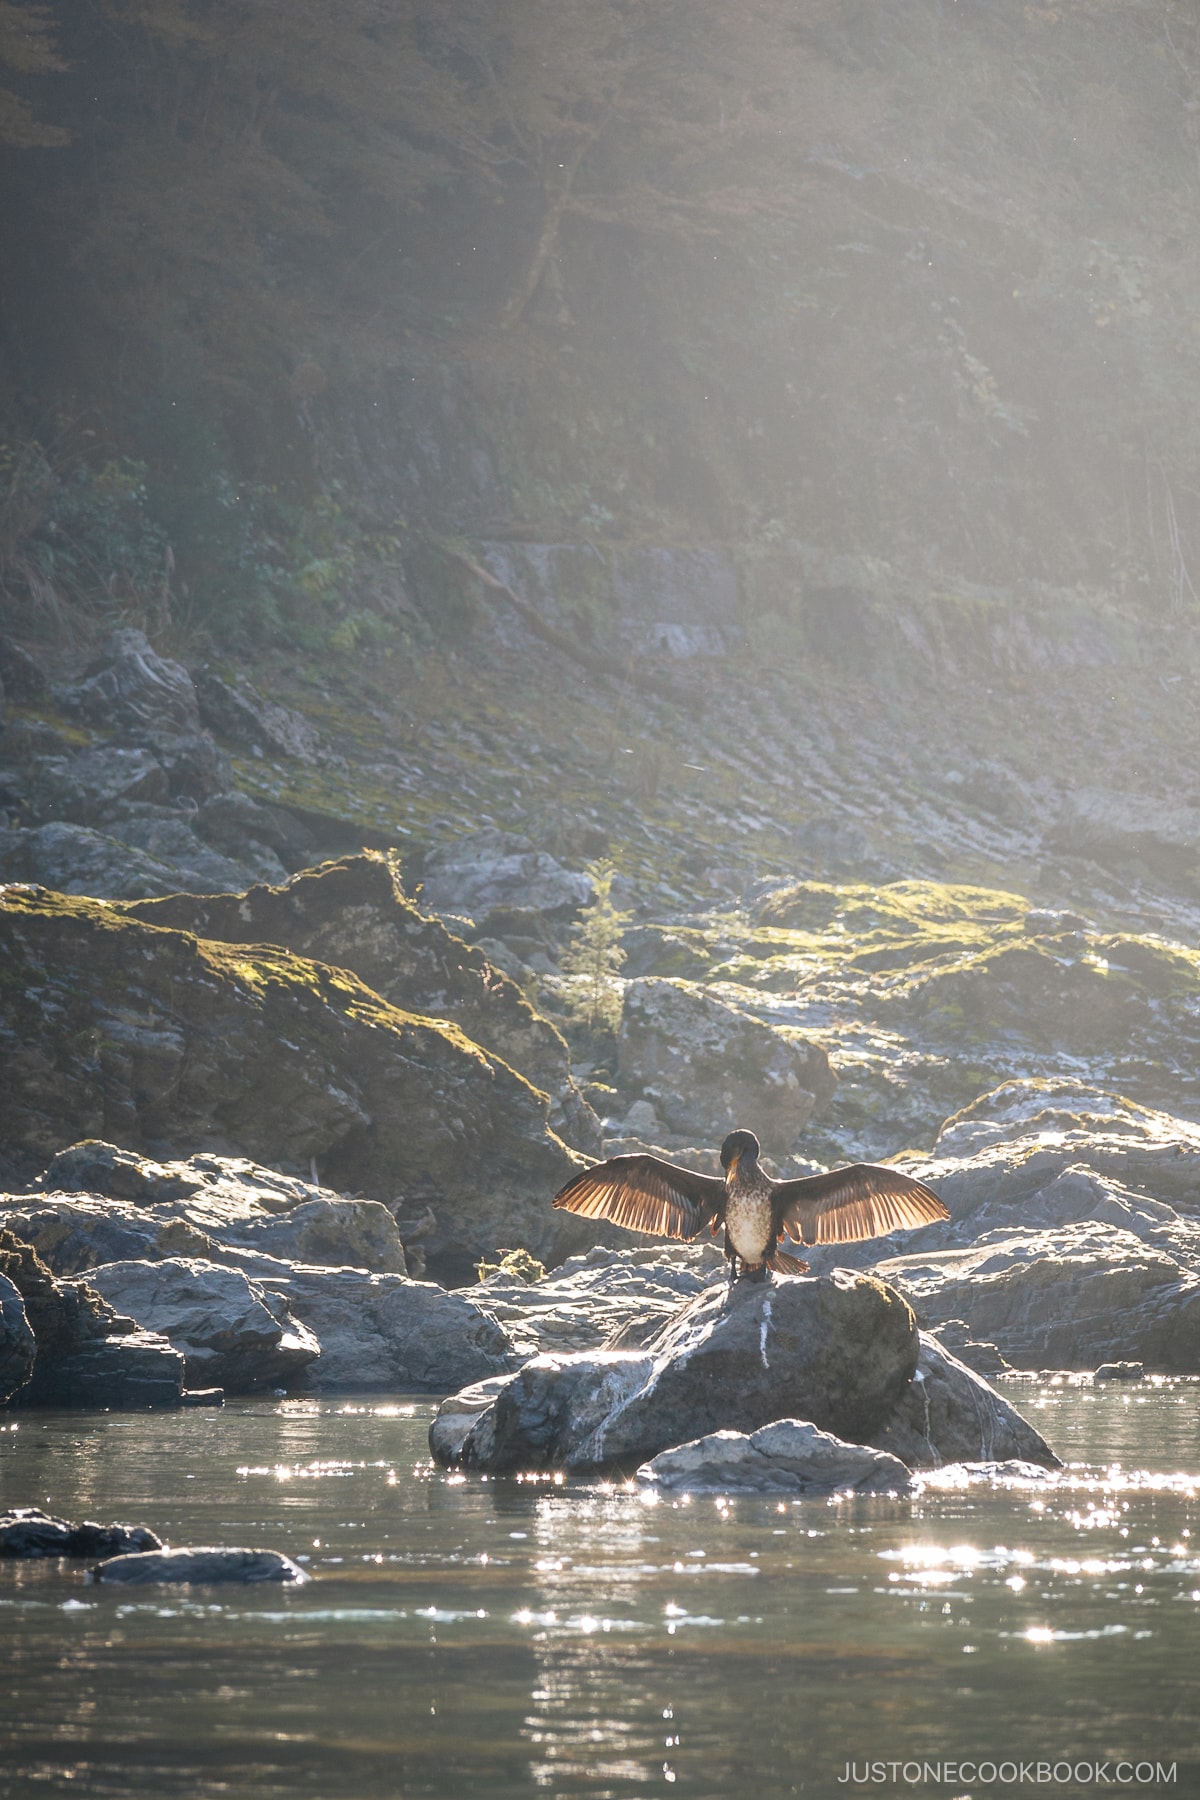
(466, 1636)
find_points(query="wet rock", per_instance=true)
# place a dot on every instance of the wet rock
(130, 687)
(949, 1414)
(487, 869)
(1121, 1371)
(26, 1531)
(124, 1030)
(232, 1333)
(838, 1351)
(385, 1331)
(200, 1566)
(457, 1416)
(706, 1065)
(17, 1343)
(87, 1354)
(239, 714)
(352, 913)
(788, 1456)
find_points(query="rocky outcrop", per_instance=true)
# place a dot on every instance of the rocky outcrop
(484, 870)
(838, 1352)
(205, 1565)
(706, 1066)
(233, 1333)
(75, 859)
(152, 1036)
(789, 1456)
(386, 1332)
(27, 1532)
(602, 1298)
(86, 1353)
(240, 715)
(353, 914)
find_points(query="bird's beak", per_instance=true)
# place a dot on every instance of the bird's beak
(733, 1163)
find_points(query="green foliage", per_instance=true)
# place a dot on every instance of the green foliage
(595, 956)
(518, 1265)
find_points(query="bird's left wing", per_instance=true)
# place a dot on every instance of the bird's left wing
(862, 1201)
(645, 1193)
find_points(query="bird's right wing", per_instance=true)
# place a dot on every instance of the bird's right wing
(862, 1201)
(645, 1193)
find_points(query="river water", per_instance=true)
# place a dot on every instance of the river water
(466, 1636)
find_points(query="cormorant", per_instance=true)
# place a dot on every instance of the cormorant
(646, 1193)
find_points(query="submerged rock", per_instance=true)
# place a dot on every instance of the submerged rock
(787, 1456)
(206, 1564)
(26, 1531)
(838, 1351)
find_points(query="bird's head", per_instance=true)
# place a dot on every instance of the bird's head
(737, 1145)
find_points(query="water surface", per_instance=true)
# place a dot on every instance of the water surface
(466, 1636)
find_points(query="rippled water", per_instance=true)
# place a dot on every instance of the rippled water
(470, 1637)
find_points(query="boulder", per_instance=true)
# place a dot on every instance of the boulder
(27, 1532)
(789, 1456)
(120, 1029)
(385, 1331)
(87, 1354)
(17, 1344)
(707, 1066)
(204, 1565)
(240, 715)
(233, 1334)
(949, 1414)
(82, 787)
(838, 1351)
(73, 859)
(484, 870)
(353, 914)
(129, 687)
(245, 829)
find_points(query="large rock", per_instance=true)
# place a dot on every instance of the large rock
(238, 713)
(87, 1354)
(149, 1035)
(233, 1333)
(352, 913)
(27, 1532)
(17, 1344)
(384, 1331)
(204, 1565)
(74, 859)
(602, 1298)
(129, 687)
(838, 1351)
(707, 1066)
(949, 1414)
(789, 1456)
(488, 869)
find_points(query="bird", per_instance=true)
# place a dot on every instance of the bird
(647, 1193)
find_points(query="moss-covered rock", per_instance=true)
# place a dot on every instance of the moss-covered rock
(167, 1042)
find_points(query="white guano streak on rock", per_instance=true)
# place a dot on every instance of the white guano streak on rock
(762, 1330)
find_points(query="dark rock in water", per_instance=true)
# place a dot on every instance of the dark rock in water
(26, 1531)
(86, 1353)
(456, 1417)
(1120, 1371)
(202, 1397)
(949, 1414)
(231, 1333)
(130, 687)
(703, 1062)
(788, 1456)
(352, 913)
(839, 1351)
(206, 1564)
(17, 1343)
(120, 1029)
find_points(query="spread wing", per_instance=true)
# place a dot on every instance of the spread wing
(862, 1201)
(645, 1193)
